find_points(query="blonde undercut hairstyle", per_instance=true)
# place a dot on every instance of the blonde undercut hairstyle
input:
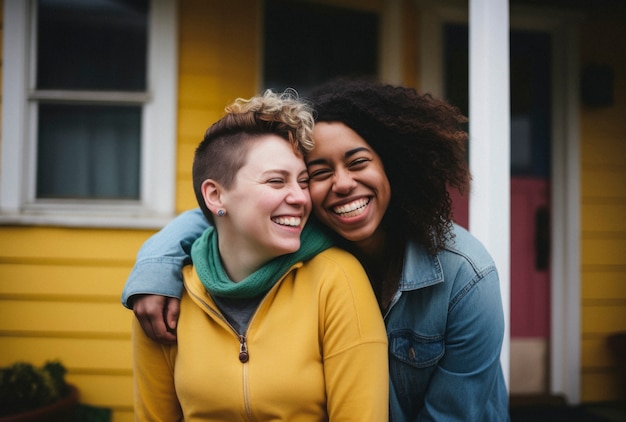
(223, 151)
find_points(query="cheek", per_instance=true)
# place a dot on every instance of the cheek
(380, 179)
(320, 213)
(317, 192)
(387, 188)
(308, 207)
(266, 202)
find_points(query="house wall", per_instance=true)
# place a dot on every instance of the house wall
(603, 231)
(60, 287)
(219, 60)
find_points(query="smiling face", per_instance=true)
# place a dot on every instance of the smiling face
(348, 184)
(266, 207)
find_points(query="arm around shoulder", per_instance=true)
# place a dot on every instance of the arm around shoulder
(160, 259)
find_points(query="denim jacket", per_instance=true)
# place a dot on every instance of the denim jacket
(445, 328)
(445, 324)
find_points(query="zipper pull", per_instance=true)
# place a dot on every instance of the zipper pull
(243, 350)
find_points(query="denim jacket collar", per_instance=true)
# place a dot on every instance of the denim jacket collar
(421, 269)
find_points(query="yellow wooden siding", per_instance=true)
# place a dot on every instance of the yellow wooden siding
(60, 299)
(60, 287)
(410, 44)
(603, 208)
(218, 62)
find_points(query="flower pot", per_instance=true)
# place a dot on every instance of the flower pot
(59, 411)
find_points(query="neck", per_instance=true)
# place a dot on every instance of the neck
(238, 266)
(238, 260)
(373, 253)
(382, 259)
(372, 248)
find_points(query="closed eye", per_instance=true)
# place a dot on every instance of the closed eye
(304, 183)
(276, 181)
(319, 174)
(359, 163)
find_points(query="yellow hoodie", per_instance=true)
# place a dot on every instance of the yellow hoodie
(317, 351)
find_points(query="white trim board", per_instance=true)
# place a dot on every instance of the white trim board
(565, 346)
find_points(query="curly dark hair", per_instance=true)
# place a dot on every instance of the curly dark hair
(422, 143)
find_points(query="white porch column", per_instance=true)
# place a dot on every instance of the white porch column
(489, 113)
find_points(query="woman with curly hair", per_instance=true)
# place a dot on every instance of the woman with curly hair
(275, 323)
(383, 161)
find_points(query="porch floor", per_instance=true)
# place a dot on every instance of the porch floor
(555, 409)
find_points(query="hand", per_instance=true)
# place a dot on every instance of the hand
(158, 316)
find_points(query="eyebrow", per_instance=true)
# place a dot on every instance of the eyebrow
(282, 172)
(347, 155)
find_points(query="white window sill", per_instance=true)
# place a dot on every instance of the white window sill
(103, 220)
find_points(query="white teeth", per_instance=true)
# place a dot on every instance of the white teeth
(353, 208)
(288, 221)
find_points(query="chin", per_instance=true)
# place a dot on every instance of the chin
(287, 249)
(356, 235)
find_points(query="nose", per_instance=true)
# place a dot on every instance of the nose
(343, 182)
(298, 196)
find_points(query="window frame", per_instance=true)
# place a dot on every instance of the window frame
(18, 202)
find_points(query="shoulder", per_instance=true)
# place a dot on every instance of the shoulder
(333, 264)
(463, 260)
(468, 267)
(466, 247)
(334, 256)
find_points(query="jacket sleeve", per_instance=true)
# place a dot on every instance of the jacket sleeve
(354, 347)
(160, 259)
(153, 376)
(467, 383)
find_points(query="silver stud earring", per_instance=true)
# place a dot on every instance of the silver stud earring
(221, 213)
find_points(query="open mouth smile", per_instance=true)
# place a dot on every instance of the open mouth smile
(288, 221)
(353, 208)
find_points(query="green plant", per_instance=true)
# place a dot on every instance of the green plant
(24, 386)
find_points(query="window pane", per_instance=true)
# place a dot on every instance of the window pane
(88, 152)
(92, 45)
(309, 43)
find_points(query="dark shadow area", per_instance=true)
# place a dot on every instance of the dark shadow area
(556, 409)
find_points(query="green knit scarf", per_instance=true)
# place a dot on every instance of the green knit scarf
(208, 264)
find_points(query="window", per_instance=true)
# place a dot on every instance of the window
(88, 112)
(307, 43)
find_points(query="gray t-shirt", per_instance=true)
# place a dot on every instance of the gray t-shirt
(238, 311)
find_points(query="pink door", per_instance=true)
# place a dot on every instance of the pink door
(530, 282)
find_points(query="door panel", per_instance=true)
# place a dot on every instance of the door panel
(530, 281)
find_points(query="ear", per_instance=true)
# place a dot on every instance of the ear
(212, 193)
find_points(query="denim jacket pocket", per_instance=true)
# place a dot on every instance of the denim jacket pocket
(415, 350)
(412, 362)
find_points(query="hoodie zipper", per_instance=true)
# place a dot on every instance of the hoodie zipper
(243, 349)
(244, 356)
(243, 342)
